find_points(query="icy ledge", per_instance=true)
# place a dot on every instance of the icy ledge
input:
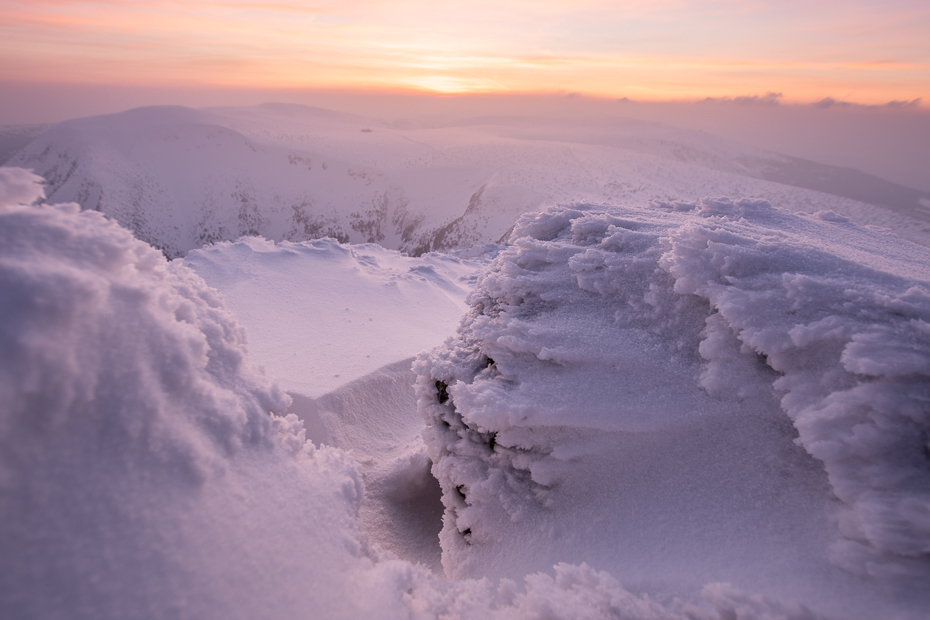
(618, 394)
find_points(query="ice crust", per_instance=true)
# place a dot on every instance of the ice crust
(620, 366)
(147, 468)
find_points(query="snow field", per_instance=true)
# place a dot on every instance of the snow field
(321, 314)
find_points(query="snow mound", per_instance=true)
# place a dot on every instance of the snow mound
(140, 471)
(613, 397)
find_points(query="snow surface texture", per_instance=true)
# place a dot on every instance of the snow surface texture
(615, 389)
(848, 326)
(181, 178)
(145, 473)
(20, 187)
(321, 314)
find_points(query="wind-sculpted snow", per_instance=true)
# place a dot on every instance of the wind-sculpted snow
(620, 386)
(145, 471)
(846, 323)
(20, 187)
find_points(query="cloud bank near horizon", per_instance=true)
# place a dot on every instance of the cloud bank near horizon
(891, 140)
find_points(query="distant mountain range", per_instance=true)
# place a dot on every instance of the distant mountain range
(181, 178)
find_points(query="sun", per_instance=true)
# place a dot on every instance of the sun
(452, 85)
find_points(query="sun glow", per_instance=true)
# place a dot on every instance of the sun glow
(451, 85)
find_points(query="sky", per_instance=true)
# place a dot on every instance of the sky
(867, 51)
(843, 82)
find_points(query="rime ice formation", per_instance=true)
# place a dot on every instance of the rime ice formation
(615, 388)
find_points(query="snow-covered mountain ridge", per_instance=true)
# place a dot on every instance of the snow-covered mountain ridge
(181, 178)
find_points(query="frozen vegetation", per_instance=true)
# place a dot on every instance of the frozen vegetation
(640, 404)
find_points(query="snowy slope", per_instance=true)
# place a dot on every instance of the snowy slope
(181, 178)
(13, 138)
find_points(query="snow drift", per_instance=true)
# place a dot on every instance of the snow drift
(618, 391)
(338, 325)
(142, 469)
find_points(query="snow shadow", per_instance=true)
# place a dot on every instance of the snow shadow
(375, 417)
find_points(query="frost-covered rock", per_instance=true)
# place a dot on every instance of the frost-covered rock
(618, 393)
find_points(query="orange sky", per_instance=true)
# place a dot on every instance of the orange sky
(856, 50)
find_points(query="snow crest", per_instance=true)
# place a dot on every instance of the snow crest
(20, 187)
